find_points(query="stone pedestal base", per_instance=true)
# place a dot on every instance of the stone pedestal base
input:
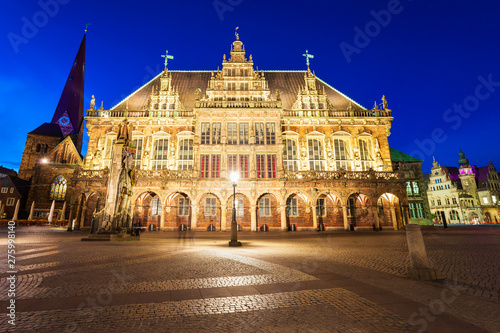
(424, 274)
(234, 244)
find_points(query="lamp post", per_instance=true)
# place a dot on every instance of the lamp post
(234, 229)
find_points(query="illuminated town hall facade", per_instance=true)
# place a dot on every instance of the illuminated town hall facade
(308, 156)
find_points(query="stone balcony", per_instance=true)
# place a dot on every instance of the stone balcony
(337, 113)
(343, 175)
(143, 113)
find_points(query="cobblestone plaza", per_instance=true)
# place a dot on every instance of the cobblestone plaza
(276, 282)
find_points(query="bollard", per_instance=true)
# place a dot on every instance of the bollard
(420, 268)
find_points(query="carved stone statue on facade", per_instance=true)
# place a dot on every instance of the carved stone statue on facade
(92, 103)
(384, 102)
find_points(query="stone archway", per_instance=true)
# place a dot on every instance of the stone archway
(389, 211)
(299, 214)
(329, 212)
(243, 212)
(358, 212)
(179, 212)
(147, 210)
(266, 216)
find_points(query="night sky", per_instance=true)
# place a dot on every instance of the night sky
(437, 62)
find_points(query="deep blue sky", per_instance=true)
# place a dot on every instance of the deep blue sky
(429, 57)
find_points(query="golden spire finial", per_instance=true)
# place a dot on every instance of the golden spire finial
(236, 33)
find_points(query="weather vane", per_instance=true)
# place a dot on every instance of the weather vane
(236, 33)
(167, 56)
(308, 56)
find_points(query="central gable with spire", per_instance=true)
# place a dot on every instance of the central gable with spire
(237, 81)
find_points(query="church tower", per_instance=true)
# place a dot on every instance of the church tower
(66, 121)
(466, 174)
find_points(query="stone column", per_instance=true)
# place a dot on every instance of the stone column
(70, 218)
(407, 215)
(194, 211)
(78, 215)
(162, 217)
(346, 221)
(283, 218)
(253, 218)
(82, 219)
(223, 217)
(315, 218)
(393, 216)
(375, 217)
(420, 268)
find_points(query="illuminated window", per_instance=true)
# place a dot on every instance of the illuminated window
(216, 133)
(270, 134)
(137, 158)
(232, 134)
(420, 210)
(239, 206)
(290, 155)
(210, 206)
(266, 166)
(11, 190)
(58, 189)
(292, 207)
(5, 189)
(265, 207)
(364, 152)
(408, 188)
(320, 207)
(416, 189)
(205, 133)
(160, 154)
(10, 201)
(243, 133)
(494, 199)
(210, 166)
(485, 200)
(413, 214)
(183, 207)
(186, 154)
(155, 206)
(316, 155)
(244, 166)
(341, 156)
(259, 133)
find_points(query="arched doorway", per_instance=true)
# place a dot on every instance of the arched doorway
(329, 212)
(243, 212)
(178, 211)
(147, 211)
(389, 211)
(358, 212)
(298, 212)
(487, 217)
(266, 217)
(209, 212)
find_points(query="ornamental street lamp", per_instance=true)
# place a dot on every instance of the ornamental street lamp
(234, 228)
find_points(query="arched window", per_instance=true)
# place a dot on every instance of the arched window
(58, 189)
(341, 155)
(316, 155)
(38, 147)
(160, 153)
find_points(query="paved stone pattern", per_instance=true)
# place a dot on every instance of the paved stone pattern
(348, 309)
(54, 264)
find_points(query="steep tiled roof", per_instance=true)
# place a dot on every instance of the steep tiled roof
(399, 156)
(186, 83)
(48, 129)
